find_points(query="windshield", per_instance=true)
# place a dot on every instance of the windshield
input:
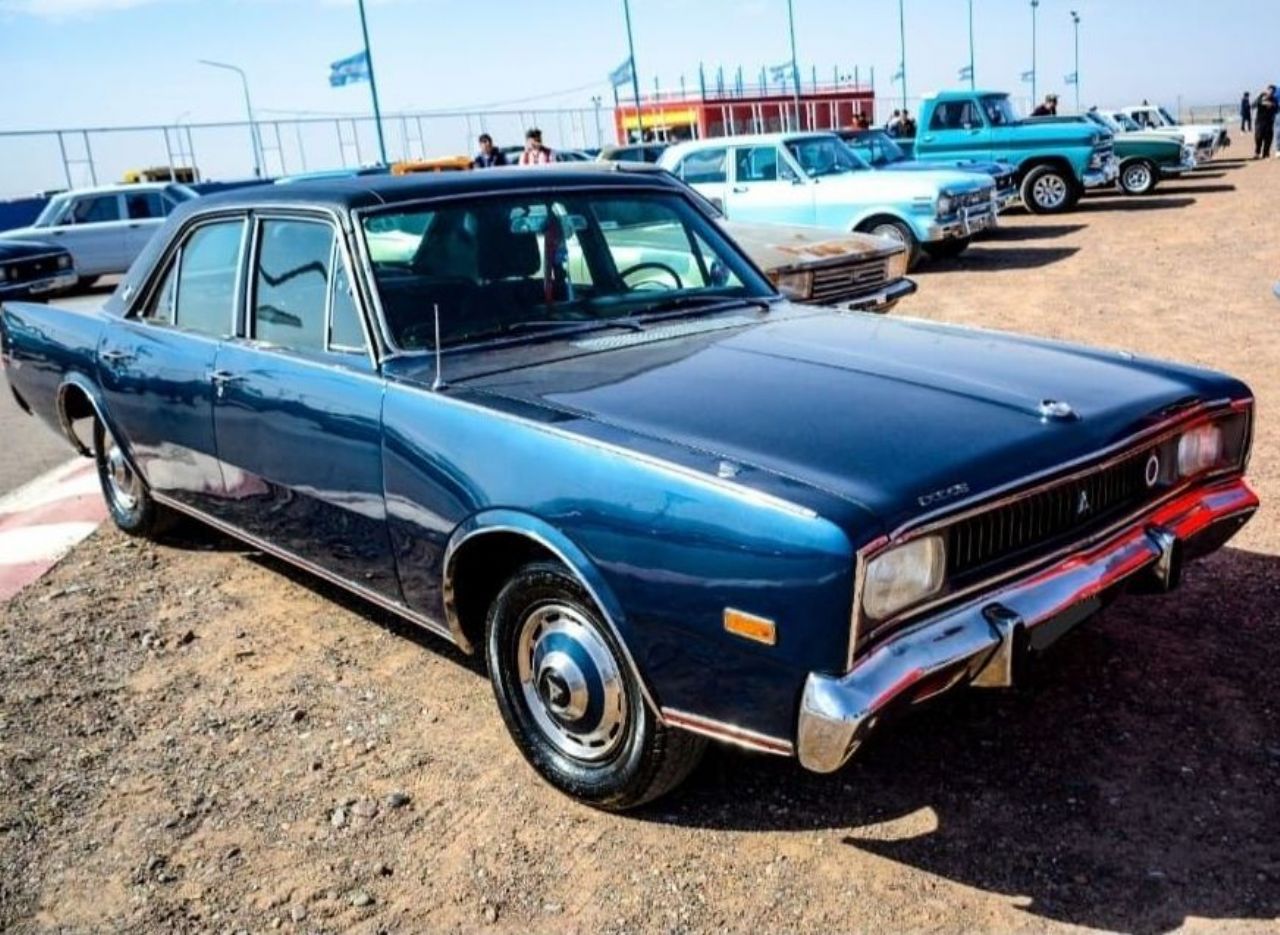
(1125, 122)
(824, 155)
(1104, 120)
(999, 111)
(1168, 120)
(878, 149)
(548, 262)
(52, 212)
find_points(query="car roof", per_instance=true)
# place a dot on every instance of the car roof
(746, 139)
(116, 188)
(370, 191)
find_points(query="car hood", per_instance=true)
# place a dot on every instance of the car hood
(23, 233)
(783, 247)
(895, 186)
(1050, 132)
(12, 248)
(993, 169)
(881, 413)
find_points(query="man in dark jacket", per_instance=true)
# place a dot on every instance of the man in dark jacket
(489, 155)
(1246, 114)
(1049, 108)
(1264, 122)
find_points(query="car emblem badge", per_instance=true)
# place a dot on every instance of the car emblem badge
(1151, 473)
(1056, 410)
(1082, 503)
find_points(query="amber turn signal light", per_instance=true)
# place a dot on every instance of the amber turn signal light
(751, 627)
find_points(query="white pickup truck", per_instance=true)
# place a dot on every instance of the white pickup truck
(1154, 117)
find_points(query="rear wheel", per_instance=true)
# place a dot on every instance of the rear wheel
(948, 249)
(1049, 190)
(571, 701)
(897, 230)
(129, 502)
(1139, 177)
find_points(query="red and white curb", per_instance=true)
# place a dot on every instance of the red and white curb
(44, 519)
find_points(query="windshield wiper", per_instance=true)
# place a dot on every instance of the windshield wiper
(581, 325)
(704, 303)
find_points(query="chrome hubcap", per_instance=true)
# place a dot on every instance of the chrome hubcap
(1137, 178)
(1050, 191)
(571, 682)
(889, 230)
(123, 483)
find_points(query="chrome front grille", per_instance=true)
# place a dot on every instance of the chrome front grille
(1030, 524)
(832, 283)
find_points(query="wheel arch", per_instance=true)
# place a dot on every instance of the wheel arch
(483, 552)
(1061, 163)
(78, 398)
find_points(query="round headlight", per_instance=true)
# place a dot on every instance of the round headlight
(904, 576)
(1199, 449)
(64, 261)
(946, 204)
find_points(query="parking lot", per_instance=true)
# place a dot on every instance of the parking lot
(195, 737)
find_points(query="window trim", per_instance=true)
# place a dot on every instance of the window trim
(173, 257)
(249, 296)
(727, 150)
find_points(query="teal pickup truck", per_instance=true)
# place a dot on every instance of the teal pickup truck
(1056, 162)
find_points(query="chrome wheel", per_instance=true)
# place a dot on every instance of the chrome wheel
(571, 683)
(1050, 191)
(892, 231)
(1137, 178)
(123, 485)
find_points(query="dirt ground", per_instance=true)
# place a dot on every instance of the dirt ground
(195, 738)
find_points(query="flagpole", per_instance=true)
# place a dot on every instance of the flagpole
(902, 47)
(972, 75)
(635, 79)
(373, 85)
(1075, 21)
(795, 68)
(1034, 98)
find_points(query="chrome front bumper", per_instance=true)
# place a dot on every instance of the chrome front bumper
(1098, 178)
(14, 290)
(983, 642)
(1186, 165)
(965, 223)
(878, 301)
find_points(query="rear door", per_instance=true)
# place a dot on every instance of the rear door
(298, 408)
(155, 365)
(765, 188)
(96, 232)
(146, 211)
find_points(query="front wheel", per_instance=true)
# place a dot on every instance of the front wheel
(894, 229)
(129, 502)
(1049, 190)
(1138, 177)
(948, 249)
(570, 700)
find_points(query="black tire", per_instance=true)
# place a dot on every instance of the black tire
(1138, 177)
(636, 759)
(134, 511)
(948, 249)
(895, 230)
(1049, 190)
(85, 283)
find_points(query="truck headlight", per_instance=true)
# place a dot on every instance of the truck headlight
(1199, 449)
(903, 576)
(64, 261)
(897, 266)
(795, 286)
(1095, 160)
(946, 205)
(4, 273)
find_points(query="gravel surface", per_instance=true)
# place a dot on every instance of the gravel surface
(195, 738)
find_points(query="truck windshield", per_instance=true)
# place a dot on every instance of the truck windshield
(824, 155)
(998, 110)
(1168, 120)
(879, 149)
(549, 262)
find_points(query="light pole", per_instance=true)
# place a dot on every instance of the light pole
(1035, 4)
(595, 100)
(1075, 22)
(795, 67)
(373, 86)
(248, 106)
(972, 77)
(635, 80)
(902, 48)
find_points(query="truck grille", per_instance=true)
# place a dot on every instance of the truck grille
(832, 283)
(29, 270)
(980, 198)
(1068, 509)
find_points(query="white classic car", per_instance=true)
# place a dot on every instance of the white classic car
(104, 228)
(1154, 117)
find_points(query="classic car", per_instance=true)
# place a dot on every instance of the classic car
(1203, 144)
(29, 268)
(105, 228)
(1154, 117)
(665, 503)
(1145, 157)
(1056, 163)
(815, 179)
(881, 151)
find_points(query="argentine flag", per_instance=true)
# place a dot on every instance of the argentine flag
(348, 70)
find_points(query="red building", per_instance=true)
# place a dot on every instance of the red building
(751, 109)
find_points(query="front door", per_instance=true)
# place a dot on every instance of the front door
(766, 189)
(96, 232)
(959, 129)
(155, 365)
(298, 410)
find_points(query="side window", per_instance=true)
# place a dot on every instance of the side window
(756, 164)
(291, 284)
(955, 115)
(703, 166)
(97, 209)
(141, 205)
(207, 276)
(160, 309)
(345, 333)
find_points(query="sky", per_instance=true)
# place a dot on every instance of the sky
(106, 63)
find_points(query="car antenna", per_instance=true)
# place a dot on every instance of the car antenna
(438, 383)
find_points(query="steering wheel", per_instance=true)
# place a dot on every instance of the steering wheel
(661, 267)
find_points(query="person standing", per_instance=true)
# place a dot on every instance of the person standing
(489, 155)
(1264, 122)
(1246, 113)
(535, 154)
(894, 126)
(1049, 108)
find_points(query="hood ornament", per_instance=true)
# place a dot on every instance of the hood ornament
(1057, 411)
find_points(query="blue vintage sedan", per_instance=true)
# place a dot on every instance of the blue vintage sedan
(559, 418)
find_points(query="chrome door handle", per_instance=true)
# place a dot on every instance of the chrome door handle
(224, 377)
(739, 189)
(115, 356)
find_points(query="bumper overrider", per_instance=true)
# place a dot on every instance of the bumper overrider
(1104, 176)
(964, 223)
(985, 642)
